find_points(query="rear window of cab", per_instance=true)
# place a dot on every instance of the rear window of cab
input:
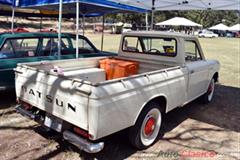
(150, 45)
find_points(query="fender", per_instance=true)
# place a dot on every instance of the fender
(145, 103)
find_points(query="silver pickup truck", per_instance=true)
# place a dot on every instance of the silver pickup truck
(76, 98)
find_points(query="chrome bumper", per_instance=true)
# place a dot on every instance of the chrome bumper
(76, 140)
(83, 144)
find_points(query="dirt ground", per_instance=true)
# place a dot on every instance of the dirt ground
(209, 131)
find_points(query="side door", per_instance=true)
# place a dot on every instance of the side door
(197, 70)
(23, 50)
(7, 63)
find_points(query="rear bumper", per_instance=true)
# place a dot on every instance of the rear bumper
(81, 143)
(4, 88)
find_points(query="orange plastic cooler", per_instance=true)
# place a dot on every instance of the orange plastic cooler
(116, 68)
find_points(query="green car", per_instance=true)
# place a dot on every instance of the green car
(31, 47)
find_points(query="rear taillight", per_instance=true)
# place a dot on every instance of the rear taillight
(82, 132)
(17, 101)
(26, 106)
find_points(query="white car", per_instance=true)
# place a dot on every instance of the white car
(207, 34)
(126, 29)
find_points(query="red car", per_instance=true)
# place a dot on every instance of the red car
(16, 30)
(237, 35)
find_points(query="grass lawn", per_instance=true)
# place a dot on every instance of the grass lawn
(226, 50)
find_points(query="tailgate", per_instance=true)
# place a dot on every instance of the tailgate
(54, 94)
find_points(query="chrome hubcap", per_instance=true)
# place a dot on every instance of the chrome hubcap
(210, 90)
(151, 126)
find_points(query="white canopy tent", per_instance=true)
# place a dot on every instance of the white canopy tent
(235, 28)
(179, 21)
(183, 4)
(166, 5)
(219, 27)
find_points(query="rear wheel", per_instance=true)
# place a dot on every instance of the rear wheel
(146, 130)
(208, 96)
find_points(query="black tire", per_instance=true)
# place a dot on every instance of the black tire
(208, 96)
(135, 132)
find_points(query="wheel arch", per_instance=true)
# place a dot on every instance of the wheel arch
(160, 99)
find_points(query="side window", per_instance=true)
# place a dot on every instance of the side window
(132, 44)
(50, 46)
(84, 46)
(7, 50)
(192, 52)
(25, 47)
(65, 43)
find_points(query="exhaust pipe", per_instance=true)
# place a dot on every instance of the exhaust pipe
(28, 114)
(25, 112)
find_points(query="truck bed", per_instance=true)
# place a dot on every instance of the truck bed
(88, 69)
(83, 103)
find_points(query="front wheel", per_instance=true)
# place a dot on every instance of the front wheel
(146, 130)
(208, 96)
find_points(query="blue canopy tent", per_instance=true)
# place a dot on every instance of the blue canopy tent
(87, 7)
(6, 10)
(84, 8)
(6, 2)
(49, 8)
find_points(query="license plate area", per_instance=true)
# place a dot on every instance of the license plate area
(53, 123)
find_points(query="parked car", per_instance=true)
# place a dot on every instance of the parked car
(15, 30)
(230, 34)
(126, 28)
(92, 98)
(237, 34)
(207, 34)
(30, 47)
